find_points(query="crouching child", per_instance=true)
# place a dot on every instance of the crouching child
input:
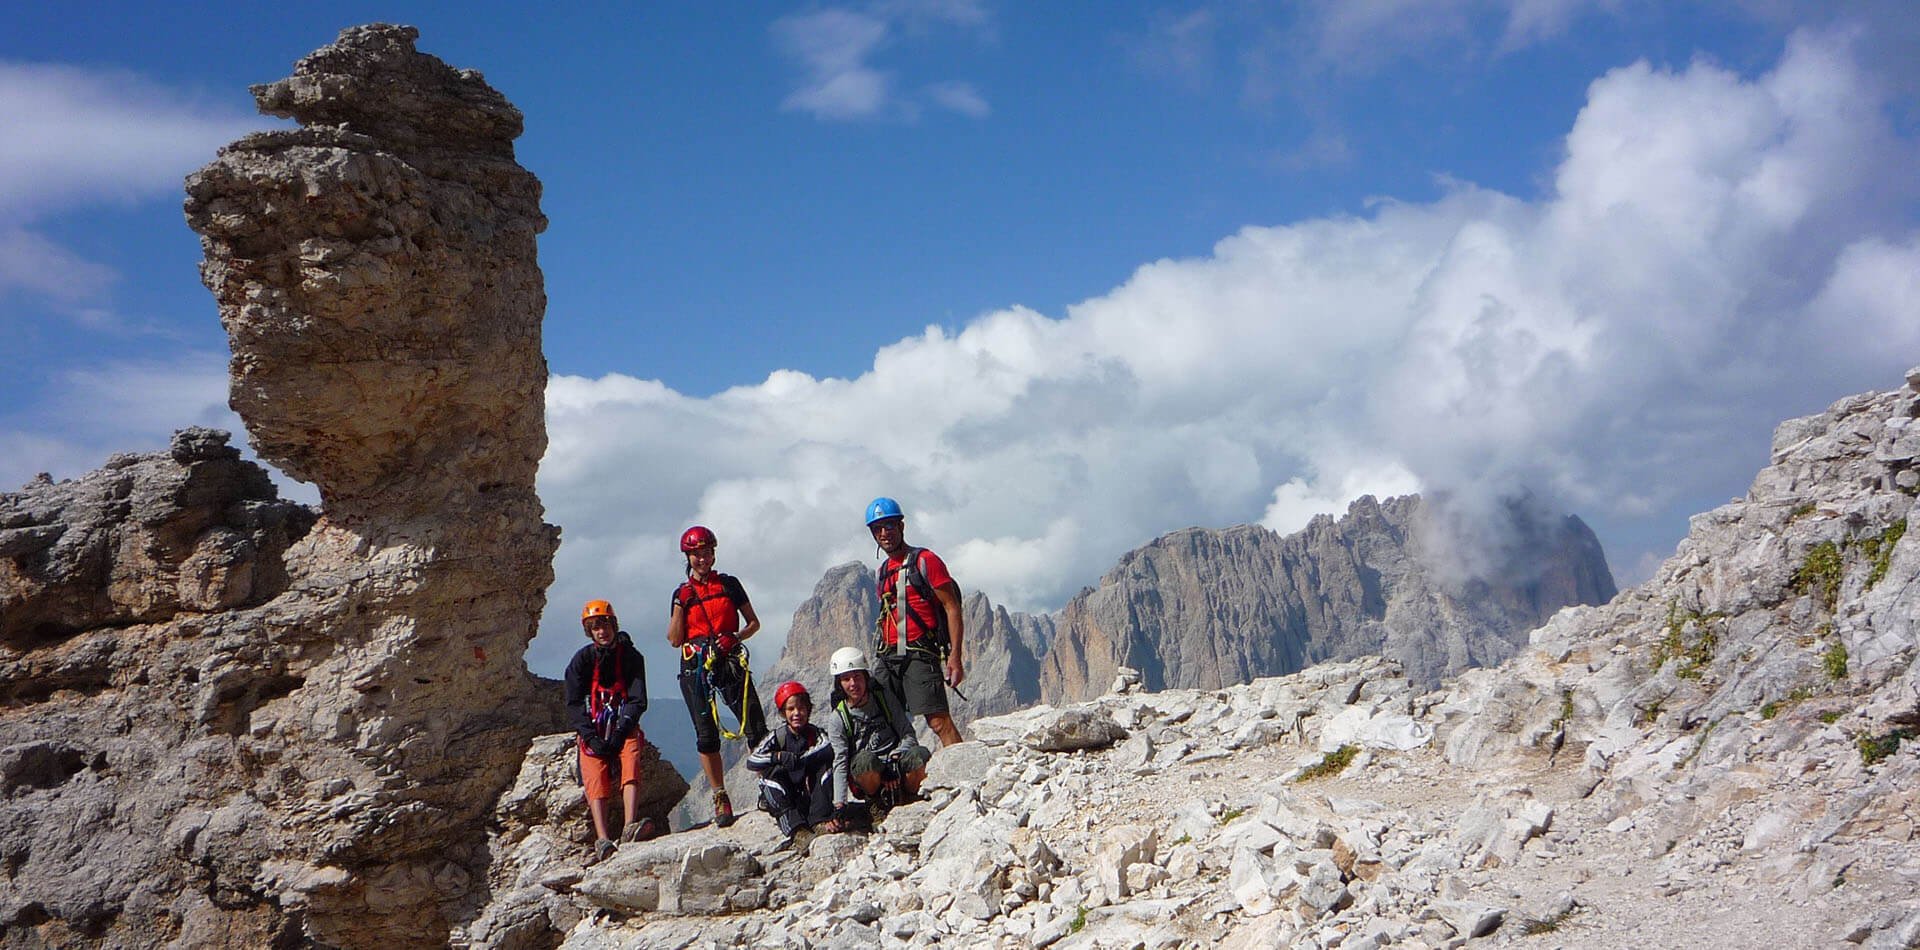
(606, 685)
(795, 764)
(874, 750)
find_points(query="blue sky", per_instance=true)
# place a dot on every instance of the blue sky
(1062, 277)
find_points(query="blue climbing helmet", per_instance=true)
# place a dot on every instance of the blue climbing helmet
(882, 508)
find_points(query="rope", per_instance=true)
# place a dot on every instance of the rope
(713, 691)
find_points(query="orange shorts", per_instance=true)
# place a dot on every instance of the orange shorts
(597, 773)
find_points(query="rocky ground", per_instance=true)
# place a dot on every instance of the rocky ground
(1716, 758)
(229, 721)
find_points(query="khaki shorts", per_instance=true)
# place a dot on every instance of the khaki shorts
(917, 678)
(911, 761)
(597, 773)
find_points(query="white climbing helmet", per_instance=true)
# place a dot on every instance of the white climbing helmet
(846, 660)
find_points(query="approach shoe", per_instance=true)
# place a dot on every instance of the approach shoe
(722, 810)
(603, 849)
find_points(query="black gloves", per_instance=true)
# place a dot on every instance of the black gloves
(622, 728)
(786, 758)
(601, 748)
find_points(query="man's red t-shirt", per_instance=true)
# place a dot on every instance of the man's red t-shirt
(921, 616)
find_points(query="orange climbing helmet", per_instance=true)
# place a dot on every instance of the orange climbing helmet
(596, 608)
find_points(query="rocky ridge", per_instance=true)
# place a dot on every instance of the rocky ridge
(1205, 608)
(234, 722)
(1719, 757)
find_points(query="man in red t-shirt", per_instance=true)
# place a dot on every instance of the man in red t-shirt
(921, 627)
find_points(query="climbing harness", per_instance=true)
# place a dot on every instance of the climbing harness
(712, 663)
(603, 702)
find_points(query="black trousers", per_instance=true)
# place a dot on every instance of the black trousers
(795, 808)
(728, 678)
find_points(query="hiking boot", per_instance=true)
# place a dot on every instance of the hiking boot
(603, 849)
(800, 839)
(639, 831)
(722, 810)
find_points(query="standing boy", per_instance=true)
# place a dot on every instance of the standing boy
(606, 694)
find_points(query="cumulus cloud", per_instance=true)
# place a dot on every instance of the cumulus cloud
(1716, 253)
(836, 48)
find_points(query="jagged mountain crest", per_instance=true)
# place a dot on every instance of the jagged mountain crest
(1208, 608)
(1204, 608)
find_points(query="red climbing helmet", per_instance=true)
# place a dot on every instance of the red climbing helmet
(695, 538)
(788, 690)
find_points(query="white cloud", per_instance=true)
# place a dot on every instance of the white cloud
(78, 137)
(119, 406)
(960, 97)
(1183, 47)
(1296, 502)
(31, 263)
(1360, 35)
(835, 48)
(1717, 254)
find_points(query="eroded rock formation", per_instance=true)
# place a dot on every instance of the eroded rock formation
(269, 729)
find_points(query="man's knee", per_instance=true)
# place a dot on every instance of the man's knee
(914, 759)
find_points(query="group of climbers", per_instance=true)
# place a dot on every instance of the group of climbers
(812, 780)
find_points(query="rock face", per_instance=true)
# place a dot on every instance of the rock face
(538, 844)
(1728, 755)
(376, 273)
(229, 723)
(1203, 608)
(193, 530)
(1001, 651)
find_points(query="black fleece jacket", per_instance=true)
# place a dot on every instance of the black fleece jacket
(631, 667)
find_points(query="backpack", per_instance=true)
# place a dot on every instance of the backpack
(910, 567)
(846, 715)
